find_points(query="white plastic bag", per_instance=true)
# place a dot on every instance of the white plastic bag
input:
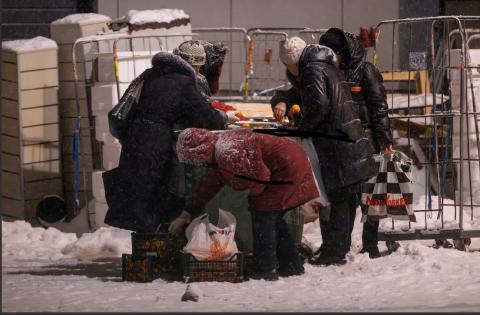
(209, 242)
(308, 212)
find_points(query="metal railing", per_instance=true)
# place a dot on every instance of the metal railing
(442, 124)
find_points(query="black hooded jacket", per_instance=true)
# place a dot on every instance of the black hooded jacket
(328, 108)
(367, 86)
(137, 190)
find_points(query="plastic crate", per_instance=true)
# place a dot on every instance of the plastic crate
(164, 248)
(138, 268)
(194, 270)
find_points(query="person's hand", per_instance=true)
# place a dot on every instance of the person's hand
(388, 149)
(232, 116)
(177, 225)
(279, 111)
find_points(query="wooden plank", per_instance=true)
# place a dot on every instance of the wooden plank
(38, 79)
(68, 163)
(68, 181)
(65, 70)
(68, 33)
(9, 56)
(38, 97)
(41, 152)
(66, 90)
(11, 145)
(85, 145)
(69, 125)
(9, 72)
(40, 115)
(10, 126)
(11, 163)
(13, 208)
(39, 189)
(38, 134)
(68, 108)
(9, 108)
(12, 185)
(42, 170)
(9, 90)
(35, 60)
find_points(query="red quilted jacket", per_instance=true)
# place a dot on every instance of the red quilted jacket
(275, 169)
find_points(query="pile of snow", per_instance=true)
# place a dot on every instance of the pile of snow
(138, 17)
(23, 45)
(82, 18)
(21, 240)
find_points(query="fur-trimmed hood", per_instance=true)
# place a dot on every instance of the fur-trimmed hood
(165, 62)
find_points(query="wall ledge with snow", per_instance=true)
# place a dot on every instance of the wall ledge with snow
(137, 20)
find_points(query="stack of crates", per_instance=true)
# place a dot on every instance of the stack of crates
(31, 166)
(65, 32)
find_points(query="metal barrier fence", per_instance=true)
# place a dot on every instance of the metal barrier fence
(438, 127)
(235, 39)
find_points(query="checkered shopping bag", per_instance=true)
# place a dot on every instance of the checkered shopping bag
(389, 194)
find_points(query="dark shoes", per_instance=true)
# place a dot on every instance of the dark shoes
(326, 260)
(373, 252)
(267, 275)
(291, 270)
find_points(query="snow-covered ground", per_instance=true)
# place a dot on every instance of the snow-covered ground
(50, 271)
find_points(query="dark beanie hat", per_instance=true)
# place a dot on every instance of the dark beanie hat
(334, 38)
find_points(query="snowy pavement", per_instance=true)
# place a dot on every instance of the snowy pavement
(50, 271)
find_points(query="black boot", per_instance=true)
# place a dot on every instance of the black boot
(271, 275)
(292, 269)
(373, 252)
(326, 259)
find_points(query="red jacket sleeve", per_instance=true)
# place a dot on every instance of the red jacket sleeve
(206, 189)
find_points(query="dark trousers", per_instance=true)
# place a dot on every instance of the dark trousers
(370, 234)
(273, 245)
(336, 232)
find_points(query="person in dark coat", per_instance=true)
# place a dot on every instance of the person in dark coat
(369, 95)
(137, 190)
(328, 109)
(278, 175)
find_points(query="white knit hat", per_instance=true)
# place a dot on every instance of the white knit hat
(191, 51)
(291, 50)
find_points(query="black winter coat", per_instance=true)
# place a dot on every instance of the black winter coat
(328, 108)
(137, 190)
(369, 93)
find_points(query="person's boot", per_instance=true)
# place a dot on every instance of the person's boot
(326, 259)
(271, 275)
(373, 252)
(291, 269)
